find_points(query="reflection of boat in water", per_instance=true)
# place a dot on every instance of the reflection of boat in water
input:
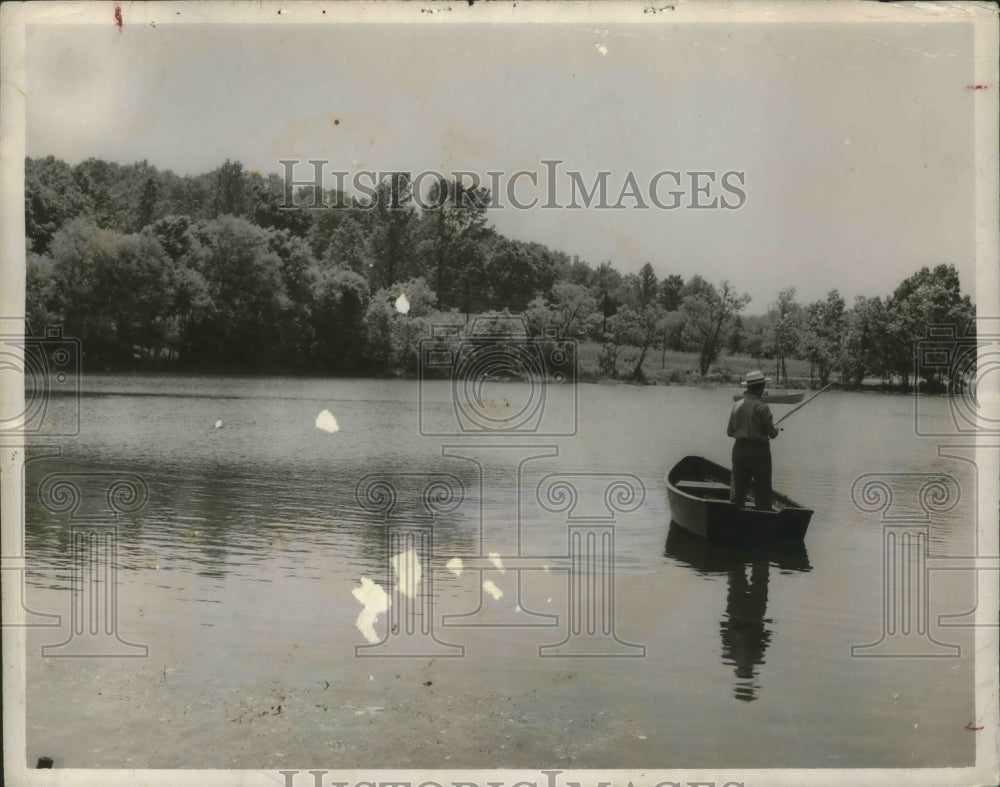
(707, 558)
(698, 491)
(744, 628)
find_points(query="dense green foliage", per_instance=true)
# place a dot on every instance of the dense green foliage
(154, 270)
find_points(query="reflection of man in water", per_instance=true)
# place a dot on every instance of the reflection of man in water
(744, 635)
(751, 423)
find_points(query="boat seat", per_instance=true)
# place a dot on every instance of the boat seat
(702, 486)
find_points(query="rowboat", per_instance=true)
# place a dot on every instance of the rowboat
(698, 491)
(788, 398)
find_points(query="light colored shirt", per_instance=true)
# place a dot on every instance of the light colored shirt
(751, 419)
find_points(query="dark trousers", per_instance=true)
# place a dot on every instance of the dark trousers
(751, 464)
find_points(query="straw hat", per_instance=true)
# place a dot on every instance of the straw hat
(755, 378)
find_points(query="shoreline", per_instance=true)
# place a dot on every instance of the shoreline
(707, 383)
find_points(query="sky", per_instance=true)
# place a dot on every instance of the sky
(855, 141)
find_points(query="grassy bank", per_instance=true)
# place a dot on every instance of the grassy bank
(675, 367)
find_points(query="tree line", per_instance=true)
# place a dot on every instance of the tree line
(150, 269)
(874, 337)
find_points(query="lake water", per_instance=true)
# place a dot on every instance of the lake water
(239, 570)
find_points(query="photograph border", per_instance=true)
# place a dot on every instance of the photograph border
(14, 94)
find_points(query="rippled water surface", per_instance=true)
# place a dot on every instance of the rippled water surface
(256, 532)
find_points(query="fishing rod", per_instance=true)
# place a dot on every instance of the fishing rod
(803, 404)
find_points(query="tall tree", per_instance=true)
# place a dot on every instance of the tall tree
(190, 302)
(341, 298)
(753, 334)
(782, 330)
(863, 348)
(670, 292)
(299, 273)
(84, 258)
(393, 335)
(269, 211)
(148, 203)
(350, 245)
(672, 329)
(248, 296)
(580, 273)
(232, 197)
(512, 273)
(649, 323)
(392, 224)
(708, 312)
(620, 328)
(630, 291)
(736, 336)
(930, 298)
(41, 290)
(51, 198)
(452, 232)
(104, 190)
(139, 293)
(607, 289)
(822, 335)
(648, 288)
(573, 306)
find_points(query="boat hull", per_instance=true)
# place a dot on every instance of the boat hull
(698, 492)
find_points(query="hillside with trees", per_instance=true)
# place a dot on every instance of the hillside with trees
(152, 270)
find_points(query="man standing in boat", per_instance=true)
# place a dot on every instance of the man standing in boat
(752, 424)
